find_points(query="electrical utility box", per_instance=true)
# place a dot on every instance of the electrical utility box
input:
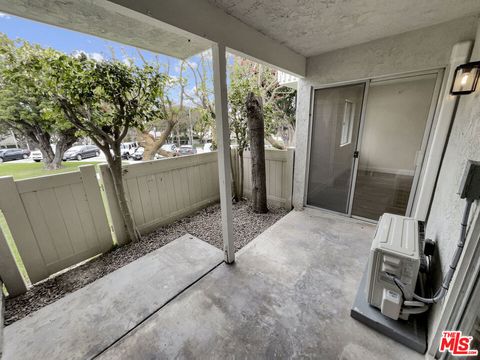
(395, 251)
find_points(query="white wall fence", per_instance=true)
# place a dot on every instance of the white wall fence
(58, 221)
(279, 175)
(162, 191)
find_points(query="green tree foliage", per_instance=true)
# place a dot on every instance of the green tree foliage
(104, 100)
(278, 105)
(202, 97)
(204, 122)
(172, 114)
(278, 101)
(25, 104)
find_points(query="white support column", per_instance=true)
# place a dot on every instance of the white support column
(223, 143)
(446, 112)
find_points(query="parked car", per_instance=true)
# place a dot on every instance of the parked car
(128, 149)
(170, 148)
(138, 154)
(12, 154)
(186, 150)
(207, 147)
(37, 155)
(80, 152)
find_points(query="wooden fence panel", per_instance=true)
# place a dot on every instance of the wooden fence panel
(162, 191)
(60, 220)
(279, 176)
(56, 221)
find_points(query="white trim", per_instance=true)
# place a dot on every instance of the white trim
(429, 127)
(406, 172)
(358, 140)
(374, 79)
(420, 156)
(309, 144)
(347, 123)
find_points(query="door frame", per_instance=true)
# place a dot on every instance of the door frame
(420, 161)
(353, 180)
(426, 139)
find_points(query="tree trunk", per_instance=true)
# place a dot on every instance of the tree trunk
(47, 154)
(65, 141)
(237, 180)
(42, 140)
(236, 198)
(116, 169)
(291, 136)
(152, 145)
(256, 128)
(240, 174)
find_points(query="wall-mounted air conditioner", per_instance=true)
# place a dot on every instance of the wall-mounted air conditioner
(395, 253)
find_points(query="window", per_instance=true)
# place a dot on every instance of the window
(347, 124)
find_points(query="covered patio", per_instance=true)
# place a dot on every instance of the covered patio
(288, 295)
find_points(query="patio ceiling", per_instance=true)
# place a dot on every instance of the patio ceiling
(103, 19)
(179, 28)
(312, 27)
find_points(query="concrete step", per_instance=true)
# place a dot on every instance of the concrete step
(87, 321)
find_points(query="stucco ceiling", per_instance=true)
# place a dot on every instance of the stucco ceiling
(312, 27)
(104, 19)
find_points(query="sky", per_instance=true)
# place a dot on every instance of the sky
(70, 42)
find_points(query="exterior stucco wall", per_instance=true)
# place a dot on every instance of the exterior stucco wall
(413, 51)
(447, 208)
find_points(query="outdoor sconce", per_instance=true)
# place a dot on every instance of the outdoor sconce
(466, 78)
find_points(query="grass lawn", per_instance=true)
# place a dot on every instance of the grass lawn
(28, 170)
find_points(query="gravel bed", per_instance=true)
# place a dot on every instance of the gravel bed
(204, 224)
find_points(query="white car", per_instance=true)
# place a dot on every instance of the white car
(37, 156)
(207, 147)
(186, 150)
(128, 149)
(138, 154)
(170, 148)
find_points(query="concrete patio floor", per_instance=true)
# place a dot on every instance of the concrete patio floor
(89, 320)
(287, 296)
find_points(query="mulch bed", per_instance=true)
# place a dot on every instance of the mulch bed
(205, 225)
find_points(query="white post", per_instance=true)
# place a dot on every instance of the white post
(9, 272)
(446, 112)
(223, 143)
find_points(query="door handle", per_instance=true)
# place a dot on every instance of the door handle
(355, 154)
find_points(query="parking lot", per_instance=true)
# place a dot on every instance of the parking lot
(100, 158)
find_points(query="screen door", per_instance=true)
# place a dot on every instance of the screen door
(336, 119)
